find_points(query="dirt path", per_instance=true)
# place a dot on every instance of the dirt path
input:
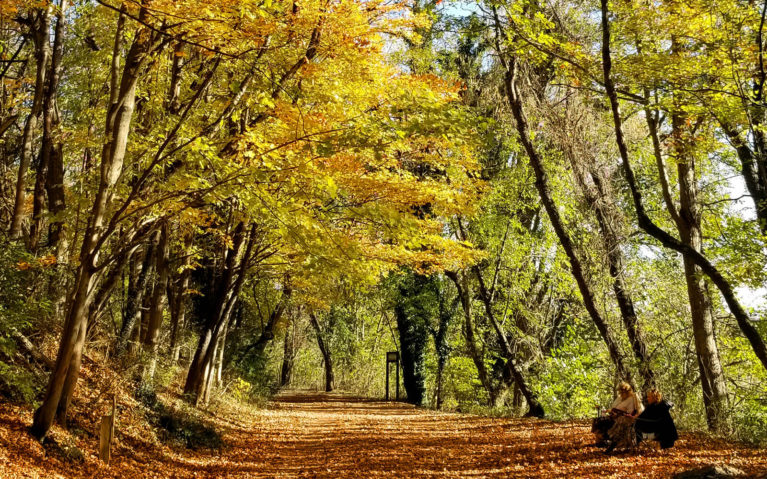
(318, 435)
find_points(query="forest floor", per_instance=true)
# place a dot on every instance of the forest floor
(304, 434)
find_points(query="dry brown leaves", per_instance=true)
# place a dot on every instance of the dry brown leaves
(310, 435)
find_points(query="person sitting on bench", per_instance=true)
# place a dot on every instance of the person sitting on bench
(655, 422)
(624, 410)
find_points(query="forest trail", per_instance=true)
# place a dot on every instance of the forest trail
(305, 434)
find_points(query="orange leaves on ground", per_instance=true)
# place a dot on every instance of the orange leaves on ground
(331, 435)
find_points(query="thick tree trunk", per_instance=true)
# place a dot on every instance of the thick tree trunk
(712, 376)
(52, 148)
(233, 278)
(688, 223)
(199, 369)
(72, 375)
(328, 363)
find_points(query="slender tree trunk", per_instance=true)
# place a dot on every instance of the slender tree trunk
(38, 197)
(41, 26)
(328, 363)
(535, 409)
(462, 286)
(287, 359)
(137, 286)
(257, 347)
(176, 300)
(158, 300)
(113, 154)
(542, 185)
(221, 351)
(620, 289)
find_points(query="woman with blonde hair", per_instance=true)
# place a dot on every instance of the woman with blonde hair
(624, 410)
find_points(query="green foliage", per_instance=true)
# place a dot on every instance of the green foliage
(23, 303)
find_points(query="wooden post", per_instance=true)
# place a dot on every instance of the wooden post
(387, 380)
(396, 365)
(106, 433)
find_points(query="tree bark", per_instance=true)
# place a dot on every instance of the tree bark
(176, 300)
(535, 409)
(328, 363)
(620, 289)
(462, 286)
(199, 369)
(52, 148)
(41, 26)
(116, 131)
(287, 359)
(137, 286)
(712, 376)
(157, 302)
(542, 185)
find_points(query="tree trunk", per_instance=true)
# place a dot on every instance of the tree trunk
(542, 185)
(620, 289)
(176, 300)
(329, 379)
(221, 351)
(667, 240)
(199, 369)
(535, 409)
(712, 376)
(137, 286)
(113, 154)
(157, 302)
(52, 148)
(41, 26)
(257, 347)
(231, 285)
(464, 295)
(287, 360)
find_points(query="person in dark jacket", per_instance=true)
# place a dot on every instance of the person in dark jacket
(656, 422)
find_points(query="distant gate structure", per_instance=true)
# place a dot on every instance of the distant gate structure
(392, 357)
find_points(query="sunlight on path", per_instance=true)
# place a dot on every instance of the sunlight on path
(304, 434)
(330, 435)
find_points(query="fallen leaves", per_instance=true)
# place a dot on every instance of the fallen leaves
(329, 435)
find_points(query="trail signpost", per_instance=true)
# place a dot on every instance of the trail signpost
(392, 357)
